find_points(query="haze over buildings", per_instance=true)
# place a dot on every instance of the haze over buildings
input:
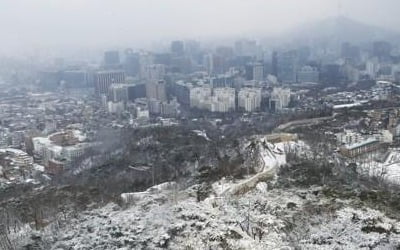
(188, 124)
(45, 24)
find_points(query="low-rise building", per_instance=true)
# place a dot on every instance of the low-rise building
(356, 149)
(67, 145)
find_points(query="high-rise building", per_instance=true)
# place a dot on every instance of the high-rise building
(249, 99)
(192, 47)
(224, 99)
(75, 78)
(163, 58)
(287, 66)
(136, 91)
(111, 58)
(180, 64)
(308, 74)
(397, 76)
(145, 59)
(115, 107)
(220, 81)
(215, 64)
(156, 90)
(154, 72)
(246, 48)
(303, 53)
(274, 62)
(224, 51)
(280, 97)
(104, 79)
(331, 74)
(255, 71)
(217, 100)
(118, 92)
(131, 63)
(170, 109)
(154, 106)
(350, 52)
(177, 48)
(50, 80)
(199, 97)
(181, 91)
(382, 49)
(208, 62)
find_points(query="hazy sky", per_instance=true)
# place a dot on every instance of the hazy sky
(101, 23)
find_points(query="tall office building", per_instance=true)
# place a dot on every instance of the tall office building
(254, 71)
(246, 48)
(350, 52)
(224, 51)
(215, 64)
(136, 91)
(177, 48)
(371, 68)
(111, 58)
(50, 80)
(118, 92)
(382, 49)
(303, 54)
(104, 79)
(145, 59)
(308, 74)
(154, 72)
(131, 63)
(274, 62)
(220, 81)
(331, 74)
(156, 90)
(208, 62)
(181, 90)
(75, 78)
(287, 66)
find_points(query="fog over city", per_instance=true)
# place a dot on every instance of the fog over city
(33, 24)
(199, 124)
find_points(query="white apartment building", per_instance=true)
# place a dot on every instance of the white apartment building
(349, 137)
(217, 100)
(48, 148)
(249, 99)
(281, 97)
(199, 97)
(224, 99)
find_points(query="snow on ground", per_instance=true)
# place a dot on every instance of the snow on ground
(255, 220)
(268, 158)
(388, 170)
(201, 133)
(260, 218)
(159, 221)
(352, 228)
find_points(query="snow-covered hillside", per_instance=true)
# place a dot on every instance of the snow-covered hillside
(388, 170)
(249, 213)
(259, 219)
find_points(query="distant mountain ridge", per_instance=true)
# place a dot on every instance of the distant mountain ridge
(341, 29)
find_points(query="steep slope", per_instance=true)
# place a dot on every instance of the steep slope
(248, 213)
